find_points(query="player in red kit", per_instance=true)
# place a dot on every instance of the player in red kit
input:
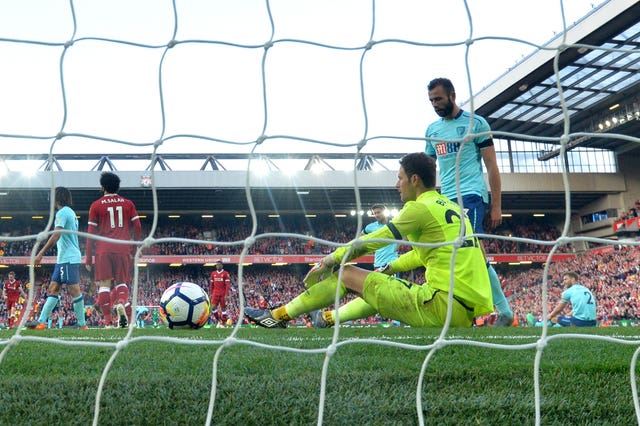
(11, 292)
(219, 284)
(115, 217)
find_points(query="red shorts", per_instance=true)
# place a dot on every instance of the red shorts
(11, 303)
(113, 266)
(219, 300)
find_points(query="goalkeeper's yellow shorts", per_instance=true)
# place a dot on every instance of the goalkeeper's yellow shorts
(413, 304)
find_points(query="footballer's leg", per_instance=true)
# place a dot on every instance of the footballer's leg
(353, 310)
(52, 300)
(475, 209)
(122, 296)
(104, 300)
(72, 280)
(412, 304)
(320, 295)
(121, 271)
(47, 308)
(103, 274)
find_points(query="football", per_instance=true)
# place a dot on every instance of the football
(185, 305)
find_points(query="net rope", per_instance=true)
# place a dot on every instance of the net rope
(445, 337)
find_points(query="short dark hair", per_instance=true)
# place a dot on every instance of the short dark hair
(378, 206)
(446, 84)
(572, 275)
(63, 196)
(419, 163)
(110, 182)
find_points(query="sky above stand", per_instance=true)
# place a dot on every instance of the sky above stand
(212, 79)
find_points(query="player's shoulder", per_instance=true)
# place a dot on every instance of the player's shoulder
(433, 200)
(130, 205)
(478, 120)
(580, 287)
(124, 200)
(99, 203)
(369, 227)
(415, 209)
(67, 211)
(433, 127)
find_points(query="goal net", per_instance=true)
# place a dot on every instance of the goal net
(258, 77)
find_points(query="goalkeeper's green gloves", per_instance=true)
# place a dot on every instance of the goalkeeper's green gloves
(319, 271)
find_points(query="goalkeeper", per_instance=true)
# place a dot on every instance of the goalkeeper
(358, 308)
(427, 217)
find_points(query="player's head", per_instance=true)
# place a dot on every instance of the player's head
(219, 265)
(442, 96)
(445, 83)
(378, 211)
(11, 275)
(569, 278)
(417, 174)
(63, 197)
(110, 182)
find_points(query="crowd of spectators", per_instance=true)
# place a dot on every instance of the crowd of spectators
(228, 238)
(633, 211)
(613, 278)
(533, 230)
(612, 275)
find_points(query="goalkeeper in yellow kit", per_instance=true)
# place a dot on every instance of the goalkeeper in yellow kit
(427, 217)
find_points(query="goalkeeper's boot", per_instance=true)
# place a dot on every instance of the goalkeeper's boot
(504, 320)
(263, 318)
(122, 315)
(318, 320)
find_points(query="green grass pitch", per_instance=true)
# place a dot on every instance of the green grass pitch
(582, 380)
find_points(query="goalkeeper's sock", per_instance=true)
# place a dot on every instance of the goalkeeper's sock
(499, 300)
(355, 309)
(279, 314)
(78, 309)
(329, 318)
(47, 308)
(318, 296)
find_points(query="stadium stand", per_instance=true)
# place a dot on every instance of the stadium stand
(603, 175)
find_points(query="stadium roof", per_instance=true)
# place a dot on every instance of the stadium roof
(600, 77)
(330, 192)
(601, 84)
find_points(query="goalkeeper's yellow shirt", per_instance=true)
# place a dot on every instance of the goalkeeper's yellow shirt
(433, 218)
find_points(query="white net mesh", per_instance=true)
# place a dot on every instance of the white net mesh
(220, 76)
